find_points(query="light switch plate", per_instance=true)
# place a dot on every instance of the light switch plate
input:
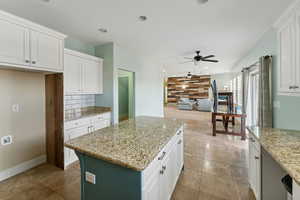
(90, 177)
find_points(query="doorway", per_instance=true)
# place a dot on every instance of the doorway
(126, 94)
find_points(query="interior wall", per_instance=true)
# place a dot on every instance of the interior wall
(148, 81)
(77, 45)
(28, 90)
(148, 88)
(286, 116)
(106, 52)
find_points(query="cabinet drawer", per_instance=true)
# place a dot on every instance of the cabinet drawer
(104, 116)
(99, 124)
(77, 123)
(254, 141)
(76, 132)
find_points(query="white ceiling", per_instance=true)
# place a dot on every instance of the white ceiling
(175, 28)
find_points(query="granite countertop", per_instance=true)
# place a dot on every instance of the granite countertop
(283, 146)
(132, 144)
(86, 112)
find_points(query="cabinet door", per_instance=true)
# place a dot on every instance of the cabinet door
(257, 173)
(92, 77)
(165, 179)
(46, 51)
(72, 74)
(297, 66)
(14, 40)
(173, 167)
(179, 155)
(287, 48)
(252, 166)
(71, 134)
(152, 190)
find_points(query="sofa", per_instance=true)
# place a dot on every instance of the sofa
(185, 104)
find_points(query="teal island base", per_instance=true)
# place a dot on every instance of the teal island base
(101, 180)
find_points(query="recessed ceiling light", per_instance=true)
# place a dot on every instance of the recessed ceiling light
(142, 18)
(46, 1)
(103, 30)
(202, 1)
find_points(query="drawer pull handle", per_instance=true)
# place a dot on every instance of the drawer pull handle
(162, 156)
(179, 142)
(256, 157)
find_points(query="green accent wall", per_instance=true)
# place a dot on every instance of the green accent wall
(77, 45)
(287, 116)
(106, 52)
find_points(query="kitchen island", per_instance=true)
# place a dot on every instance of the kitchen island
(138, 159)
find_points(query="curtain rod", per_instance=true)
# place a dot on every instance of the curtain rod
(256, 63)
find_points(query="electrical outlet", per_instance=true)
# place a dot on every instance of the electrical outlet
(15, 107)
(6, 140)
(90, 177)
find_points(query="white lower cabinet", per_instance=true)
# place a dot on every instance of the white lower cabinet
(255, 167)
(160, 177)
(296, 191)
(80, 127)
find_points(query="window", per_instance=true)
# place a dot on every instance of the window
(236, 85)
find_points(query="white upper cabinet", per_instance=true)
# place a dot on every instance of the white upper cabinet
(46, 51)
(287, 61)
(28, 45)
(92, 76)
(83, 73)
(14, 40)
(288, 32)
(72, 75)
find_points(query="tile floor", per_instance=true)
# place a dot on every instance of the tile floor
(215, 169)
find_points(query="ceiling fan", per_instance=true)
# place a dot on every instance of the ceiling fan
(198, 58)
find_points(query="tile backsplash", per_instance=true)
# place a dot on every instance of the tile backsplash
(74, 103)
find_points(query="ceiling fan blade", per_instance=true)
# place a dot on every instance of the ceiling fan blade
(186, 62)
(215, 61)
(210, 56)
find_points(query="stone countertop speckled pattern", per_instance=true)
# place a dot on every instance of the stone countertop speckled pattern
(132, 144)
(283, 146)
(87, 112)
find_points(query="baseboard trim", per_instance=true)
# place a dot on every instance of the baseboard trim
(5, 174)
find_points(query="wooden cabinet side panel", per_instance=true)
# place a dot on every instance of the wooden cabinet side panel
(54, 119)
